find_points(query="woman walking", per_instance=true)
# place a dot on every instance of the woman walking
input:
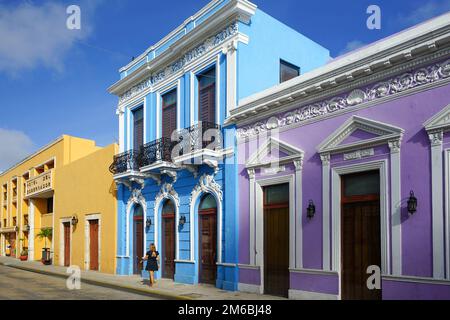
(152, 258)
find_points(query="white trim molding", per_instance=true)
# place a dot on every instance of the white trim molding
(384, 217)
(207, 184)
(87, 240)
(383, 134)
(257, 161)
(136, 198)
(436, 126)
(258, 232)
(167, 192)
(447, 213)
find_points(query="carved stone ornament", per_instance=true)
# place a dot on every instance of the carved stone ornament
(136, 196)
(436, 137)
(207, 184)
(399, 84)
(167, 191)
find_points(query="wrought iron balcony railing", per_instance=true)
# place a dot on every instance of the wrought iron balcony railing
(204, 135)
(127, 161)
(158, 150)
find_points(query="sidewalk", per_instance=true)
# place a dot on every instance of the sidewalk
(164, 288)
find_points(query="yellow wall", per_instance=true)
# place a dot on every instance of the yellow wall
(63, 151)
(86, 187)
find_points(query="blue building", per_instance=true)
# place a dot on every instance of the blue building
(177, 171)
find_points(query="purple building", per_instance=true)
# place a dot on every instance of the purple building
(344, 175)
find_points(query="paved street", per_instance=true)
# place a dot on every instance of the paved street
(23, 285)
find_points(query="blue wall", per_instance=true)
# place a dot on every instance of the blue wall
(270, 41)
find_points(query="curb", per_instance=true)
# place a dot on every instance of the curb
(127, 288)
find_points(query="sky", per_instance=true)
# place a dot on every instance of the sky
(54, 81)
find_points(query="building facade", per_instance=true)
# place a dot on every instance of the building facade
(177, 172)
(344, 172)
(56, 188)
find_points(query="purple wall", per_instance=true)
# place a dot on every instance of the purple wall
(409, 113)
(399, 290)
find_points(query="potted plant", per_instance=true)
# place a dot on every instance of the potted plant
(24, 255)
(45, 233)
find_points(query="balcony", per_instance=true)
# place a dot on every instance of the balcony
(198, 140)
(158, 151)
(40, 186)
(197, 145)
(125, 162)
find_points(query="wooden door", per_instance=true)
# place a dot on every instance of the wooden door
(138, 244)
(276, 240)
(208, 245)
(93, 245)
(169, 246)
(66, 226)
(361, 237)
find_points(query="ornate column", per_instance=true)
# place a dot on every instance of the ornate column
(231, 76)
(298, 214)
(252, 245)
(436, 139)
(120, 113)
(326, 264)
(396, 228)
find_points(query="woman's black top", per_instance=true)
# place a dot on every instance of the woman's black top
(152, 263)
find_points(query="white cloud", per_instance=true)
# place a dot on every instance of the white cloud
(36, 35)
(352, 45)
(14, 147)
(426, 11)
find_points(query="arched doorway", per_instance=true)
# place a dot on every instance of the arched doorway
(138, 240)
(168, 239)
(207, 213)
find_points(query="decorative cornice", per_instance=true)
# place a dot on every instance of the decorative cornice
(187, 58)
(390, 87)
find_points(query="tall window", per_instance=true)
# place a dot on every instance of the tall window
(288, 71)
(207, 96)
(169, 113)
(138, 128)
(50, 205)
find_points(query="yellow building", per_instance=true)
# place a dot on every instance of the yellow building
(66, 187)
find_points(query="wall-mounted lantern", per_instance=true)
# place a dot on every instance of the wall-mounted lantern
(412, 203)
(27, 228)
(182, 220)
(148, 223)
(74, 220)
(311, 210)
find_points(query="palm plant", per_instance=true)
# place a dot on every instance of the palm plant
(45, 234)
